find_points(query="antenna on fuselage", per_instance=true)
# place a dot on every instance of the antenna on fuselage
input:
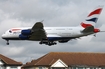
(42, 21)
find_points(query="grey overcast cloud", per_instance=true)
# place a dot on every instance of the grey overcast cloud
(24, 13)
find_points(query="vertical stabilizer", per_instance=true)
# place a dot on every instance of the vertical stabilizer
(92, 18)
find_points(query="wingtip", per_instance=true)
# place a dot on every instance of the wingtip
(100, 6)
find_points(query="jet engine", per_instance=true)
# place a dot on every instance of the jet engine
(26, 32)
(23, 37)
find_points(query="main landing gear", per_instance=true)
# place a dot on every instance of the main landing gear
(47, 42)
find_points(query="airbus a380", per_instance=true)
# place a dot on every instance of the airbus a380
(50, 35)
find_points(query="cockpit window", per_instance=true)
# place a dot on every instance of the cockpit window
(10, 31)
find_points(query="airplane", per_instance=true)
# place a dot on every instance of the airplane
(52, 35)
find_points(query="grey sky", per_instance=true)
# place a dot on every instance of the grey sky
(24, 13)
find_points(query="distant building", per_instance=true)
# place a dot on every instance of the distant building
(68, 60)
(7, 63)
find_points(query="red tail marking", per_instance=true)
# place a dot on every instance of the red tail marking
(97, 11)
(85, 25)
(96, 30)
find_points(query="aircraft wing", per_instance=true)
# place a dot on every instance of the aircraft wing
(38, 32)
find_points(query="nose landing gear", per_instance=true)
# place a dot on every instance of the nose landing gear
(7, 42)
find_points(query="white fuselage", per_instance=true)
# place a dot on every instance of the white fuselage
(56, 32)
(48, 35)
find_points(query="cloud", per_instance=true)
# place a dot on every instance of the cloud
(12, 51)
(24, 13)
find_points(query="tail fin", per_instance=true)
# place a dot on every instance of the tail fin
(92, 17)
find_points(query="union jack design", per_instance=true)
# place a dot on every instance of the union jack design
(92, 17)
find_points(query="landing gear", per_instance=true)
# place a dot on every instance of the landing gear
(51, 43)
(47, 42)
(7, 42)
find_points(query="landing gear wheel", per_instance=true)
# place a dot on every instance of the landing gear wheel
(55, 43)
(51, 43)
(47, 42)
(7, 42)
(40, 42)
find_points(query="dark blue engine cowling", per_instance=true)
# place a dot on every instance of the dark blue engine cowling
(26, 32)
(23, 37)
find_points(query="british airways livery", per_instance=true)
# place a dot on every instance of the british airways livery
(50, 35)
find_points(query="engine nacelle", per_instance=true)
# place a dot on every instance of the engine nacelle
(26, 32)
(23, 37)
(63, 41)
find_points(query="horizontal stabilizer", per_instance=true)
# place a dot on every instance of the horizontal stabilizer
(88, 29)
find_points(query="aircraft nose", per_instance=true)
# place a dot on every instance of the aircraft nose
(3, 36)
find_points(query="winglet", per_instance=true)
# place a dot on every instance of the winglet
(38, 25)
